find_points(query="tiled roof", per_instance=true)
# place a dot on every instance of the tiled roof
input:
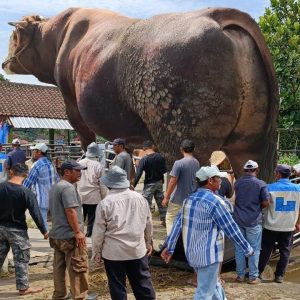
(27, 100)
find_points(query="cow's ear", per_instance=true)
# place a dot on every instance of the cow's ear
(18, 23)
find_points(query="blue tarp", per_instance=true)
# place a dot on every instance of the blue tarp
(4, 130)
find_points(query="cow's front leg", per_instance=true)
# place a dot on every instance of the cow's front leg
(86, 135)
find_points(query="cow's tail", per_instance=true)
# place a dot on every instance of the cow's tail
(227, 17)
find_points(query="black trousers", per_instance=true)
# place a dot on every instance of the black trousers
(89, 211)
(284, 240)
(137, 271)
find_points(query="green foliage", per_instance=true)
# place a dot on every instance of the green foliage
(281, 28)
(289, 140)
(2, 78)
(288, 158)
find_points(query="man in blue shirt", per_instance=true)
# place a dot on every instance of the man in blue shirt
(203, 221)
(17, 155)
(251, 196)
(281, 218)
(41, 177)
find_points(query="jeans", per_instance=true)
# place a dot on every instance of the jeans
(285, 242)
(253, 236)
(44, 214)
(208, 285)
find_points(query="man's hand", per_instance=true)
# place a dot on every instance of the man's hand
(46, 235)
(165, 255)
(80, 239)
(98, 258)
(165, 202)
(297, 227)
(149, 250)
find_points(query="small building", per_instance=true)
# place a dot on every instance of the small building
(31, 106)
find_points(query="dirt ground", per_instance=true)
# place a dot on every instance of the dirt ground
(169, 283)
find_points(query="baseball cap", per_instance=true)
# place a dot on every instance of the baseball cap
(71, 165)
(16, 142)
(205, 173)
(284, 170)
(250, 164)
(148, 144)
(118, 141)
(40, 146)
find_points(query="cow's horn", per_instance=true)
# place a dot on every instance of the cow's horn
(17, 23)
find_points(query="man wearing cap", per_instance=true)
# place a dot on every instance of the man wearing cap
(17, 155)
(203, 220)
(154, 166)
(89, 188)
(182, 182)
(281, 219)
(67, 235)
(251, 196)
(15, 199)
(123, 158)
(41, 178)
(122, 237)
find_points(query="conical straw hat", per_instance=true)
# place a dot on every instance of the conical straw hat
(217, 157)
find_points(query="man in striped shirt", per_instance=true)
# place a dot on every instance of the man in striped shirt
(41, 177)
(203, 221)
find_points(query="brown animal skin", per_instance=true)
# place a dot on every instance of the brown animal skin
(205, 75)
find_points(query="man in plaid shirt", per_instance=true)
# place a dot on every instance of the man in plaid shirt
(203, 221)
(41, 177)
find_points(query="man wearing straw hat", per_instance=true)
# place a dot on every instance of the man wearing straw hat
(89, 188)
(122, 237)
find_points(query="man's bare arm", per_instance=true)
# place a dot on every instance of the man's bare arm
(72, 218)
(171, 186)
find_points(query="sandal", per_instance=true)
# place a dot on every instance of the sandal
(30, 290)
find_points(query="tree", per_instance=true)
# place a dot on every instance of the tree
(281, 28)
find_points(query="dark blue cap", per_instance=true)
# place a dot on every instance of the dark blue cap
(118, 141)
(71, 165)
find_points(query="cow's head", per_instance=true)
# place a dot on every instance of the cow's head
(21, 55)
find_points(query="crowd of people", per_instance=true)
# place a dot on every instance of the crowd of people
(119, 219)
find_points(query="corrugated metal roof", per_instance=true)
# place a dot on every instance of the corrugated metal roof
(28, 122)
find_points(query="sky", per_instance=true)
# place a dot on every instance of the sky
(14, 10)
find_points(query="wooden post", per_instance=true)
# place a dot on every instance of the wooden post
(51, 136)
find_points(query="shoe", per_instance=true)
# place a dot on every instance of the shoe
(254, 281)
(240, 279)
(88, 234)
(278, 279)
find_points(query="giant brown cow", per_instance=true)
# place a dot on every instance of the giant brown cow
(205, 75)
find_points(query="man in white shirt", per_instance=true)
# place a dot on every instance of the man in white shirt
(281, 218)
(89, 188)
(122, 237)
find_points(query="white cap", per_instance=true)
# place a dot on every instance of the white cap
(40, 146)
(205, 173)
(16, 142)
(250, 164)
